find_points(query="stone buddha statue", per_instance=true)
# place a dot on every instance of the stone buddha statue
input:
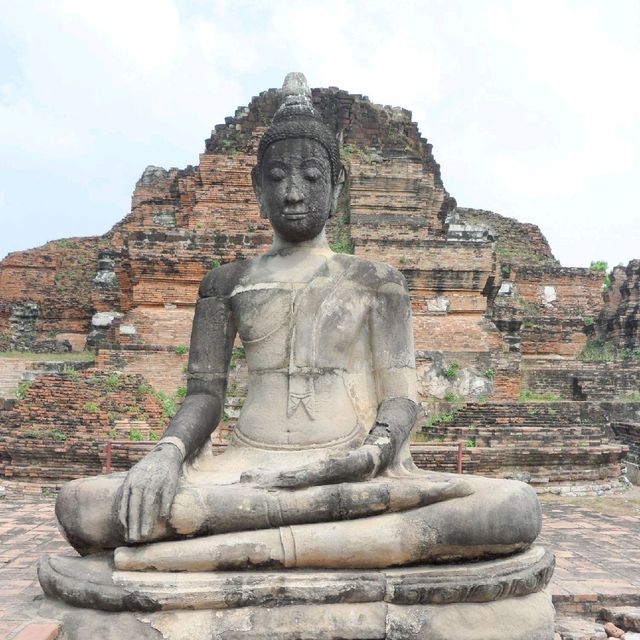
(318, 476)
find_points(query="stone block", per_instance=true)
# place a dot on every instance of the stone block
(39, 631)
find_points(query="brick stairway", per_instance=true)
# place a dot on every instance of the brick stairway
(553, 445)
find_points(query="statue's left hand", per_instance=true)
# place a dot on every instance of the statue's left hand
(360, 464)
(394, 421)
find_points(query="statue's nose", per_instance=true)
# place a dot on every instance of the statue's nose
(294, 193)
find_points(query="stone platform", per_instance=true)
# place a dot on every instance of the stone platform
(594, 539)
(500, 598)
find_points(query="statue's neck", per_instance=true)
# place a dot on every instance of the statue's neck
(315, 246)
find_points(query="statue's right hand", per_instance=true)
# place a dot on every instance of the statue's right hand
(148, 491)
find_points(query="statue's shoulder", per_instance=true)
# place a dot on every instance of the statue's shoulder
(371, 274)
(220, 281)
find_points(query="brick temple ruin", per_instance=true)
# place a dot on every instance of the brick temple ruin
(522, 359)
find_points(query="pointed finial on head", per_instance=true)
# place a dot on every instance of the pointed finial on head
(296, 118)
(295, 84)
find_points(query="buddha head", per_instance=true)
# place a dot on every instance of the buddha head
(299, 176)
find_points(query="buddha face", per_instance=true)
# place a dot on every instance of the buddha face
(294, 188)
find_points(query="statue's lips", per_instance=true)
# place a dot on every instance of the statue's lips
(294, 215)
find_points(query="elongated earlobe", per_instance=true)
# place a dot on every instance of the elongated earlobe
(337, 190)
(257, 188)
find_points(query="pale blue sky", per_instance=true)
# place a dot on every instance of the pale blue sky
(533, 108)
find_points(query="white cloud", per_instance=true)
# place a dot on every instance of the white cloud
(533, 108)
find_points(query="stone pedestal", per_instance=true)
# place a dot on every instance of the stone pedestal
(489, 600)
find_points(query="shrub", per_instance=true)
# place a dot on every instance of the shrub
(112, 380)
(90, 406)
(489, 374)
(598, 351)
(215, 264)
(237, 354)
(599, 265)
(470, 443)
(181, 392)
(135, 435)
(23, 387)
(143, 388)
(451, 397)
(181, 349)
(342, 244)
(452, 370)
(168, 404)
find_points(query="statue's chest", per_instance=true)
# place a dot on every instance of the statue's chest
(308, 317)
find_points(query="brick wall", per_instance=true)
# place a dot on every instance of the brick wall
(576, 380)
(162, 368)
(57, 431)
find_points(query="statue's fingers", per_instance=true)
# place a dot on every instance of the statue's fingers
(135, 500)
(303, 477)
(166, 499)
(148, 511)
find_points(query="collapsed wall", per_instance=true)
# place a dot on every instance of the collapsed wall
(618, 322)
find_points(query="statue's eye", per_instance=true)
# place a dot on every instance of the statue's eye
(276, 175)
(312, 174)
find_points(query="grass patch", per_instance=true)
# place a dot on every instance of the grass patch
(45, 434)
(632, 396)
(626, 504)
(76, 356)
(598, 351)
(441, 417)
(526, 395)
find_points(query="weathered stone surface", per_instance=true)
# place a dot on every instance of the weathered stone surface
(579, 629)
(94, 579)
(526, 618)
(619, 320)
(612, 631)
(628, 618)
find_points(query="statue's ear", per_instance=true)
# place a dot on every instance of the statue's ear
(256, 181)
(337, 189)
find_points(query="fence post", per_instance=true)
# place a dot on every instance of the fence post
(459, 465)
(107, 456)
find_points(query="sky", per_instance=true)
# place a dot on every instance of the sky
(533, 108)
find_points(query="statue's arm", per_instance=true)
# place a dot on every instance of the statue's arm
(212, 339)
(150, 486)
(393, 358)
